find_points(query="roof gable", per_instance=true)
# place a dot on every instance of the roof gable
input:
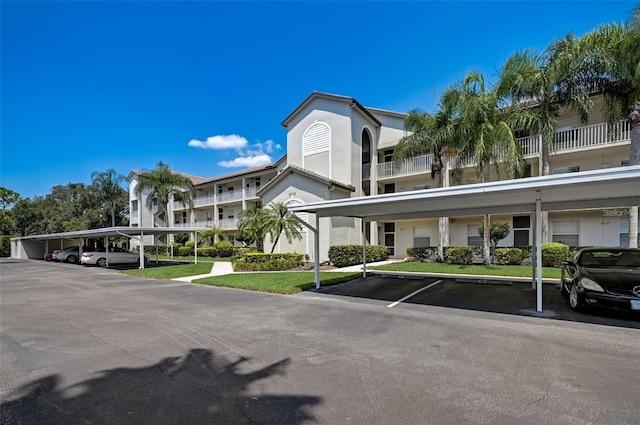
(333, 97)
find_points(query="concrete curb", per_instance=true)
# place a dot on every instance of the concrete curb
(484, 278)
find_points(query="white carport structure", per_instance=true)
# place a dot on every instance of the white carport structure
(35, 246)
(609, 188)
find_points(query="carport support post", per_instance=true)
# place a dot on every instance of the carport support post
(316, 252)
(141, 249)
(534, 254)
(195, 236)
(539, 252)
(364, 248)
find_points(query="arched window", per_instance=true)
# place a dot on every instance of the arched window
(316, 139)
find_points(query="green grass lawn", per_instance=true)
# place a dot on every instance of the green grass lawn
(517, 271)
(190, 259)
(278, 283)
(172, 272)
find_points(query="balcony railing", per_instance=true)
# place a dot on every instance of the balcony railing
(250, 192)
(227, 223)
(416, 165)
(230, 196)
(587, 137)
(591, 136)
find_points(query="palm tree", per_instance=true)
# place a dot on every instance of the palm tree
(549, 81)
(614, 57)
(431, 135)
(252, 221)
(108, 185)
(279, 220)
(164, 184)
(485, 127)
(212, 234)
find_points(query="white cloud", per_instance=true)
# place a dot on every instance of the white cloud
(247, 161)
(232, 141)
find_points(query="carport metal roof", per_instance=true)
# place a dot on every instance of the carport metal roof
(115, 231)
(615, 187)
(130, 232)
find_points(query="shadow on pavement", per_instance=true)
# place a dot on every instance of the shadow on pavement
(196, 389)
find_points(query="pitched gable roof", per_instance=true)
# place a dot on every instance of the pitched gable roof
(291, 169)
(334, 97)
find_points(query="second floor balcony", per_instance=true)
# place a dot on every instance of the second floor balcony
(564, 141)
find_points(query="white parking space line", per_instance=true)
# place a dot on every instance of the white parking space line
(393, 304)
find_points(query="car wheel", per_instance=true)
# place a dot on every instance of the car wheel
(72, 259)
(574, 299)
(102, 262)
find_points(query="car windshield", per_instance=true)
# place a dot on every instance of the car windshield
(610, 258)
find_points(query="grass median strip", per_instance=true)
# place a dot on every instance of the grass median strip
(278, 282)
(171, 272)
(494, 270)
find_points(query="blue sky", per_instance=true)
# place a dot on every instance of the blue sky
(204, 86)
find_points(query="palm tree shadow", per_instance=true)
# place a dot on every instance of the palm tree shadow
(198, 388)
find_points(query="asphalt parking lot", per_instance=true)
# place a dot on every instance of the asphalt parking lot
(89, 345)
(506, 297)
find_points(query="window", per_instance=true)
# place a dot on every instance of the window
(567, 232)
(421, 187)
(390, 188)
(220, 189)
(231, 214)
(257, 181)
(209, 215)
(316, 139)
(231, 238)
(421, 237)
(230, 189)
(473, 235)
(564, 170)
(184, 217)
(521, 229)
(220, 214)
(390, 237)
(624, 163)
(624, 233)
(387, 156)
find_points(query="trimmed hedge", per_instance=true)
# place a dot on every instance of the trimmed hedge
(239, 251)
(460, 255)
(423, 253)
(350, 255)
(225, 248)
(553, 253)
(208, 251)
(185, 251)
(258, 261)
(508, 256)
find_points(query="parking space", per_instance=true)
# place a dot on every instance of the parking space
(506, 298)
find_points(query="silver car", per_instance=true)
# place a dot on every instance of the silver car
(114, 256)
(69, 255)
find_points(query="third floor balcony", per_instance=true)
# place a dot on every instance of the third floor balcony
(564, 141)
(220, 198)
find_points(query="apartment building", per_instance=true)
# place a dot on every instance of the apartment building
(337, 148)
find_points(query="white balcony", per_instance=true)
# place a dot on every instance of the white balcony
(580, 138)
(251, 192)
(230, 196)
(227, 223)
(416, 165)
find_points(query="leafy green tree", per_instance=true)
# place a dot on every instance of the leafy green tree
(485, 126)
(498, 230)
(163, 184)
(613, 54)
(431, 135)
(7, 198)
(211, 235)
(279, 221)
(108, 186)
(29, 216)
(253, 221)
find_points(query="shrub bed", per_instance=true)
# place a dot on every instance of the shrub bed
(185, 251)
(225, 249)
(553, 253)
(258, 261)
(423, 253)
(350, 255)
(208, 251)
(460, 255)
(508, 256)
